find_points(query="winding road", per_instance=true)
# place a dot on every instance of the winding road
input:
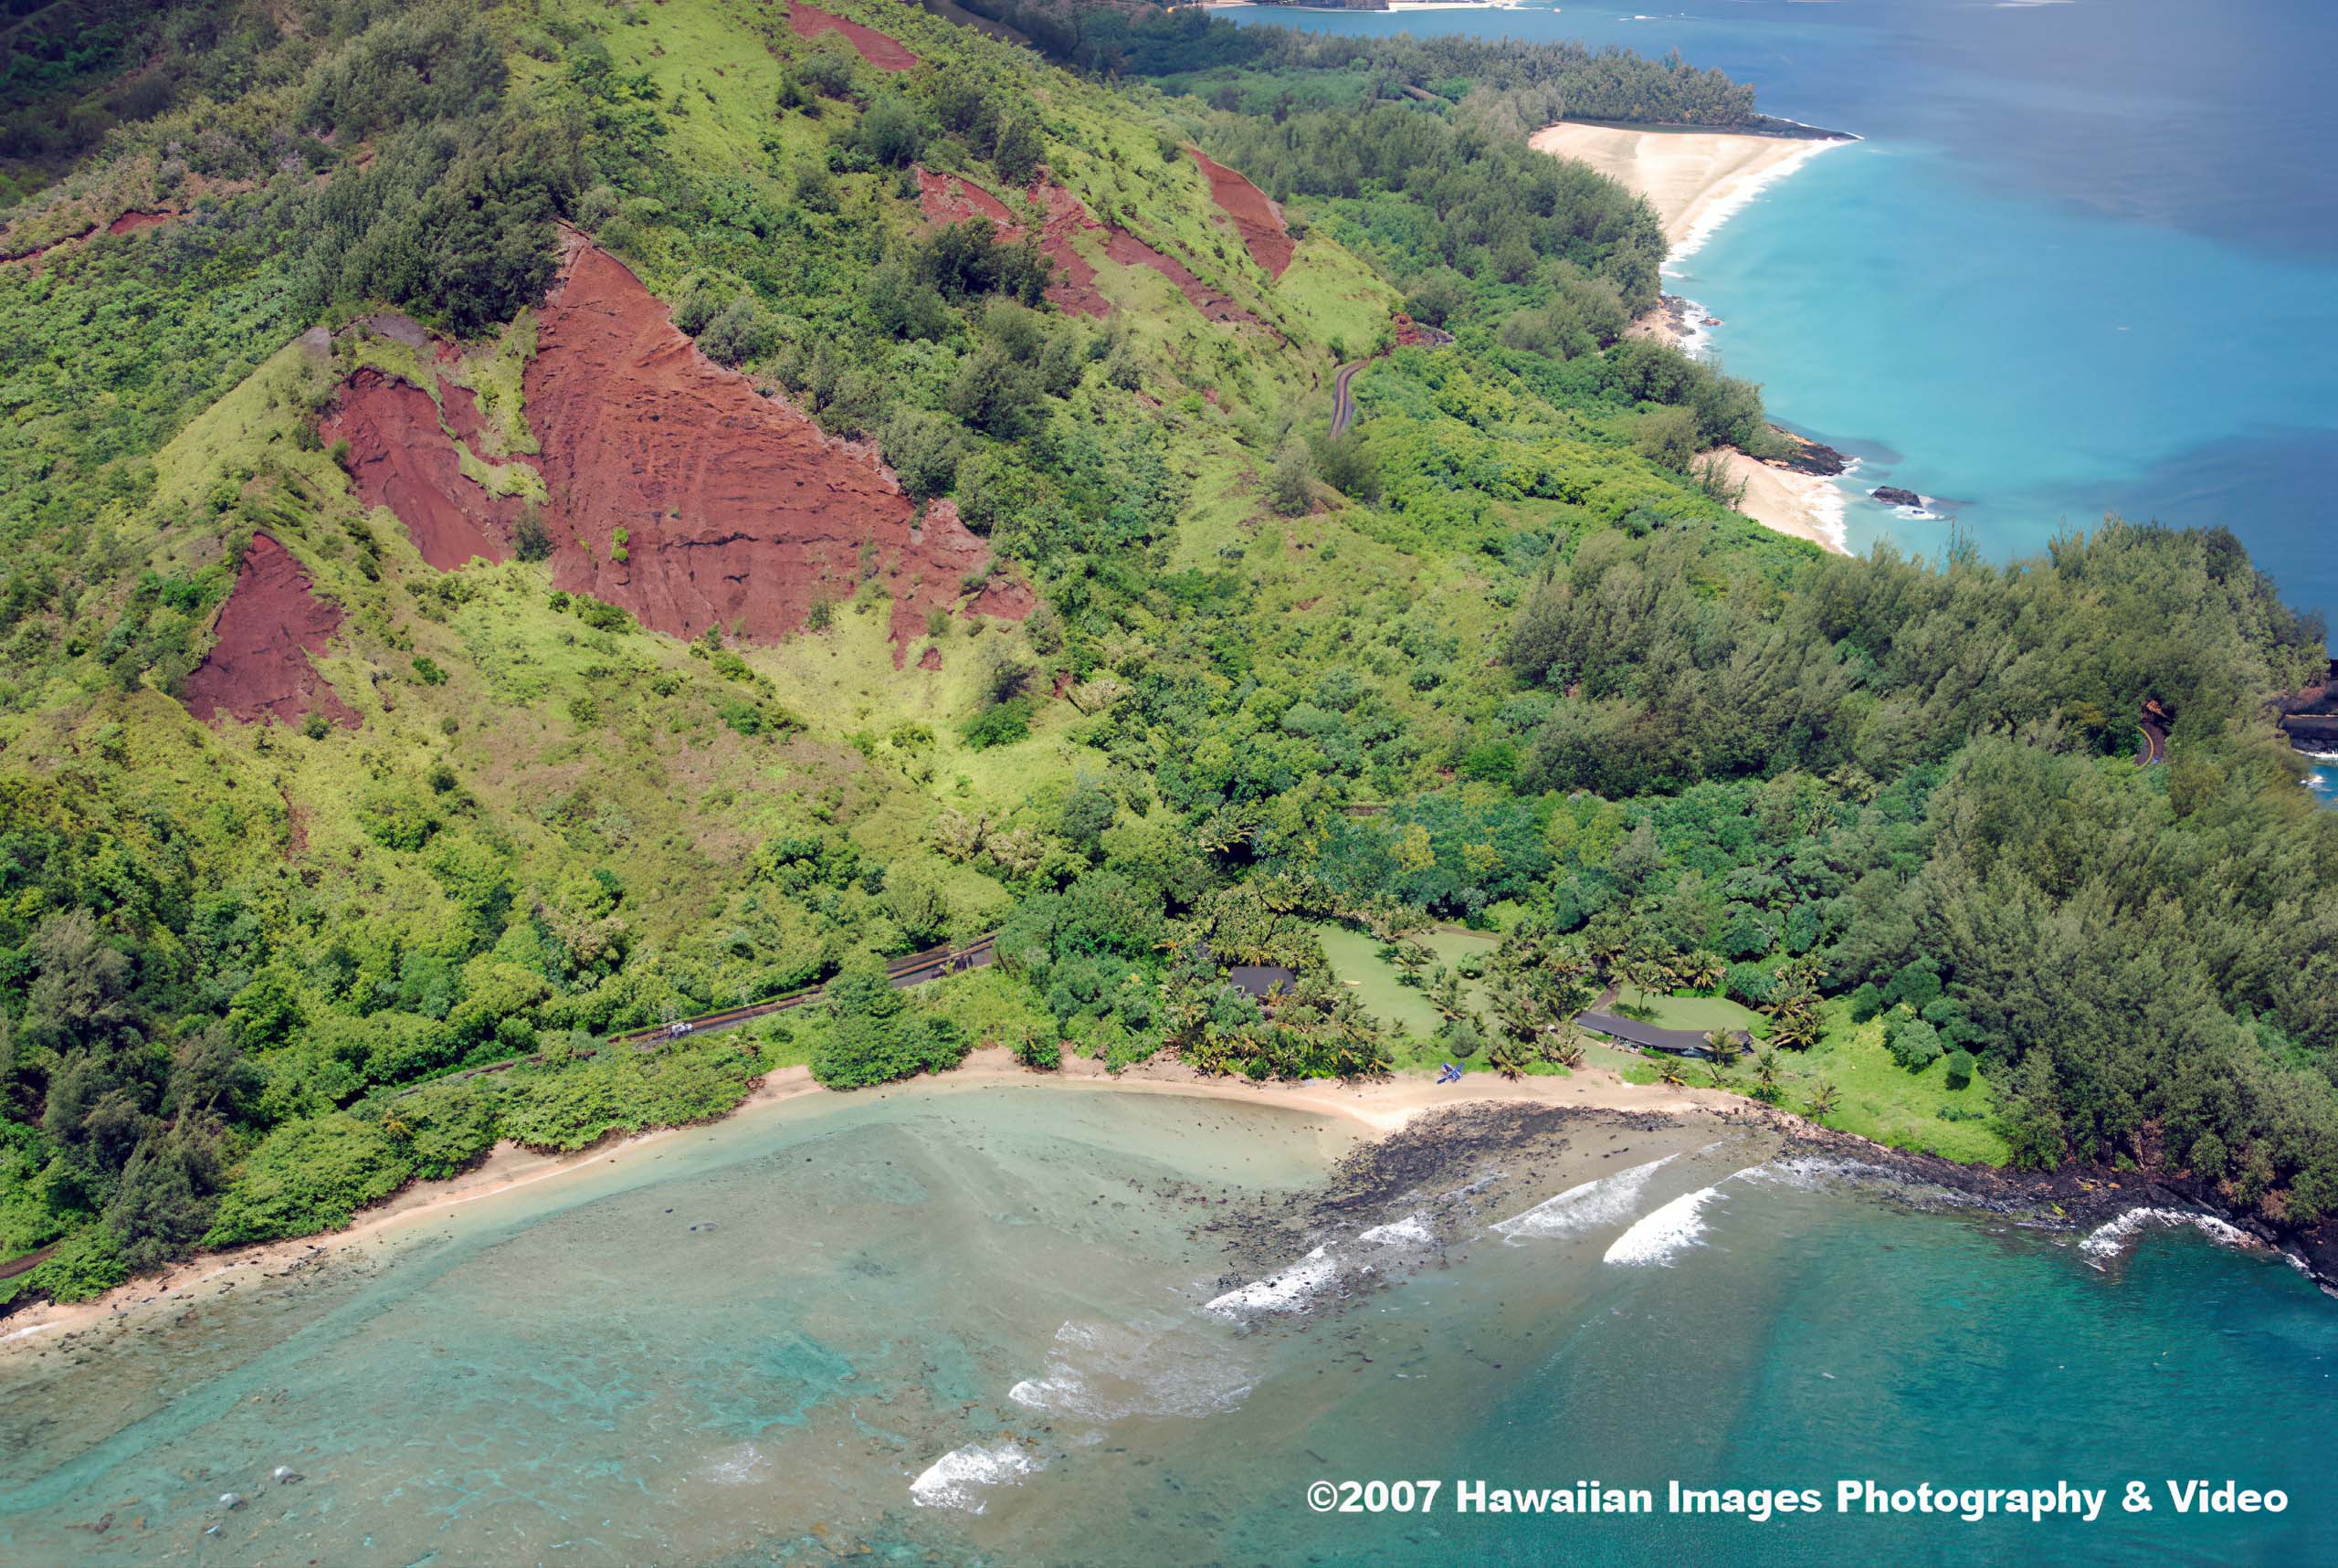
(2155, 721)
(933, 964)
(1343, 400)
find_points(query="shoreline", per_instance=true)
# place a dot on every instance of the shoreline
(1377, 1109)
(1697, 181)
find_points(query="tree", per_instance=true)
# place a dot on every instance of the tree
(1668, 436)
(1291, 487)
(1822, 1101)
(1020, 148)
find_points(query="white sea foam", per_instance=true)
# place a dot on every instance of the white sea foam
(1657, 1238)
(1601, 1201)
(1805, 1173)
(2115, 1238)
(1292, 1290)
(1098, 1372)
(1733, 196)
(956, 1480)
(736, 1467)
(1413, 1230)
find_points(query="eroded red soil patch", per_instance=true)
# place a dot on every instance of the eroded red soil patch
(128, 222)
(400, 458)
(460, 410)
(1259, 219)
(886, 54)
(946, 198)
(737, 510)
(259, 664)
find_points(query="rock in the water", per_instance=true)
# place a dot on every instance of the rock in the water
(284, 1475)
(1892, 495)
(231, 1500)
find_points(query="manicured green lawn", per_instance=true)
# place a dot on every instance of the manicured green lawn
(1699, 1013)
(1879, 1098)
(1379, 984)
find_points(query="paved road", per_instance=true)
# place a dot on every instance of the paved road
(1343, 403)
(915, 969)
(2155, 722)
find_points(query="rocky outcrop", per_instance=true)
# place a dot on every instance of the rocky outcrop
(2309, 715)
(1892, 495)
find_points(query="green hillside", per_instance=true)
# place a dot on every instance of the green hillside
(297, 824)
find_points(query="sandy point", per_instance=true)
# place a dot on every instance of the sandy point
(1694, 179)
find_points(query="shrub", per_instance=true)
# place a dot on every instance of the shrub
(531, 540)
(1750, 984)
(1039, 1049)
(1867, 1003)
(426, 671)
(1959, 1067)
(875, 1038)
(1001, 726)
(1914, 1044)
(1291, 487)
(308, 1176)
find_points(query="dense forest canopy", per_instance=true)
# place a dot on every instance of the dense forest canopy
(1206, 686)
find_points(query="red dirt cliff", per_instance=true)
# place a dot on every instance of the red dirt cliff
(259, 664)
(737, 509)
(946, 198)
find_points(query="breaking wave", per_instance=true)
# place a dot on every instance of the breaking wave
(2111, 1239)
(1600, 1202)
(955, 1479)
(1655, 1239)
(1101, 1372)
(1293, 1289)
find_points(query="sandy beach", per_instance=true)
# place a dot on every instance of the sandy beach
(1377, 1109)
(1805, 506)
(1694, 179)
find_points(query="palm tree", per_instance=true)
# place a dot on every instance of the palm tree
(1564, 1047)
(1703, 970)
(1765, 1069)
(1723, 1045)
(1796, 1031)
(1668, 1070)
(1718, 1071)
(1823, 1100)
(1445, 994)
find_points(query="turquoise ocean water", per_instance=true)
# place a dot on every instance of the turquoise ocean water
(990, 1325)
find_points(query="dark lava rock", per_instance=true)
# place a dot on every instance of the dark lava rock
(1892, 495)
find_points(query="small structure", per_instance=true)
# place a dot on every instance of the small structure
(1648, 1037)
(1261, 980)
